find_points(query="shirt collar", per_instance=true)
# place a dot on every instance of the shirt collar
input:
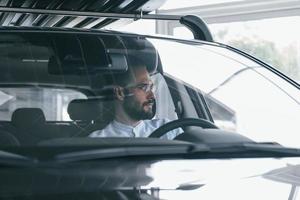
(126, 127)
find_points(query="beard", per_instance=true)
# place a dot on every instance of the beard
(136, 111)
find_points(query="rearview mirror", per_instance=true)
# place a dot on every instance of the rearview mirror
(84, 55)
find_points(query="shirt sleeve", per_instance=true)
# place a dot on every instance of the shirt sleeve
(98, 133)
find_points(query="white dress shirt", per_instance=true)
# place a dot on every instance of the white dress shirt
(143, 129)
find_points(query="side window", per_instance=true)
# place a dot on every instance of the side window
(223, 116)
(242, 95)
(183, 101)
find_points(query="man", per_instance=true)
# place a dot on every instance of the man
(134, 106)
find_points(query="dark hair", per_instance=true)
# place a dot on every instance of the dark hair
(123, 79)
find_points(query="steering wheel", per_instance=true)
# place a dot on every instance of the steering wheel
(181, 123)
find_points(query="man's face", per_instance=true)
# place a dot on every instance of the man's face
(140, 101)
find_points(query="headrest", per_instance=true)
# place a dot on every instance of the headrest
(90, 109)
(143, 50)
(28, 117)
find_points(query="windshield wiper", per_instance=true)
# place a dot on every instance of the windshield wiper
(249, 149)
(189, 150)
(272, 148)
(13, 159)
(128, 151)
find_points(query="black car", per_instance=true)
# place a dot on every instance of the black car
(236, 118)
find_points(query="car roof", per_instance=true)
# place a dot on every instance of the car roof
(14, 15)
(91, 14)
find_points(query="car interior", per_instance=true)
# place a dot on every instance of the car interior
(79, 69)
(90, 72)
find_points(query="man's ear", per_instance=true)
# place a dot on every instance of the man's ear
(119, 92)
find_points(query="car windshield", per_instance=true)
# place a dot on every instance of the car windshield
(58, 87)
(242, 95)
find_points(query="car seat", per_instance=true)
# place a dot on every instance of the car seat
(90, 114)
(29, 124)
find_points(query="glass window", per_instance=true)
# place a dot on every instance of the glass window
(53, 102)
(242, 95)
(275, 41)
(183, 32)
(261, 38)
(180, 4)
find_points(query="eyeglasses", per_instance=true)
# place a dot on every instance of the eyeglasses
(146, 87)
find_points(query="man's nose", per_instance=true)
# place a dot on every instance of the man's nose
(150, 94)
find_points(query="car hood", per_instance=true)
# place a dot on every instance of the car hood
(171, 179)
(226, 179)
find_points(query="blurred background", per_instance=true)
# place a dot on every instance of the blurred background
(267, 29)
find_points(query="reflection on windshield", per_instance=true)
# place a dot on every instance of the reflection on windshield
(264, 107)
